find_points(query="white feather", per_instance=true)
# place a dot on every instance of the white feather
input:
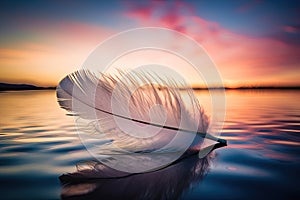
(114, 111)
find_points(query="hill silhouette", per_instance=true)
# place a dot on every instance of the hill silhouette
(8, 86)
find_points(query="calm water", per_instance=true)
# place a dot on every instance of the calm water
(38, 143)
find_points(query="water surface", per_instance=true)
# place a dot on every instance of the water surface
(38, 143)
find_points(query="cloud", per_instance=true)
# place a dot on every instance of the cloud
(238, 56)
(292, 28)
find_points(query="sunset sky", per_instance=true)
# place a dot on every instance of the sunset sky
(251, 42)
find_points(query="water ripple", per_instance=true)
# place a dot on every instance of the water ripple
(38, 143)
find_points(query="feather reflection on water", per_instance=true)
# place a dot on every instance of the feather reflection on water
(95, 180)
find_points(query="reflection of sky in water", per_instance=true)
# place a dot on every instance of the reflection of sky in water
(267, 121)
(38, 143)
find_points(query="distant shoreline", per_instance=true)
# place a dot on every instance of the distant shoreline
(19, 87)
(252, 88)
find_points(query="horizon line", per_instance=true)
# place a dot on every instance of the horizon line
(21, 86)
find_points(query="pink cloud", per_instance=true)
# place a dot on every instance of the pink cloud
(160, 13)
(237, 56)
(141, 13)
(291, 29)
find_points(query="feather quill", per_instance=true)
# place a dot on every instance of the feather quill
(154, 113)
